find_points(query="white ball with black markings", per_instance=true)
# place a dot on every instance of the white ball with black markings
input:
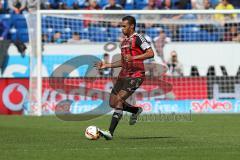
(92, 133)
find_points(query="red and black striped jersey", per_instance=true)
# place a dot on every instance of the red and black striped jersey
(134, 45)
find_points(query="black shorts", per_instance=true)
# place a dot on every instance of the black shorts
(127, 84)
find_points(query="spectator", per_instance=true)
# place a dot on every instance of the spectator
(201, 4)
(237, 38)
(76, 38)
(62, 6)
(55, 4)
(78, 4)
(151, 5)
(160, 42)
(4, 57)
(232, 32)
(166, 4)
(123, 2)
(2, 9)
(45, 4)
(93, 5)
(175, 67)
(107, 72)
(182, 4)
(235, 3)
(112, 5)
(17, 6)
(207, 6)
(45, 38)
(197, 4)
(206, 17)
(224, 5)
(32, 5)
(159, 4)
(4, 29)
(57, 38)
(150, 17)
(169, 18)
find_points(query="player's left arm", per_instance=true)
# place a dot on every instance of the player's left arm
(145, 46)
(148, 54)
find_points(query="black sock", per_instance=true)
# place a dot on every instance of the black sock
(129, 108)
(116, 117)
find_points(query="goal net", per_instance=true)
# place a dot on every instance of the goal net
(195, 68)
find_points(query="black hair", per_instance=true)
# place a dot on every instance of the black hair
(131, 20)
(75, 33)
(105, 55)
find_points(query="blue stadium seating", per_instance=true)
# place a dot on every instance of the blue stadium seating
(98, 34)
(214, 2)
(208, 36)
(129, 5)
(114, 33)
(194, 33)
(69, 3)
(66, 33)
(140, 4)
(152, 32)
(190, 33)
(167, 31)
(76, 25)
(55, 22)
(84, 33)
(103, 3)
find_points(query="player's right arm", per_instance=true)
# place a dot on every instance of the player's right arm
(102, 65)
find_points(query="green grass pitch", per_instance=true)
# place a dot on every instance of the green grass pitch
(215, 137)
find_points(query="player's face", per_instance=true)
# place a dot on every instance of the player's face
(126, 28)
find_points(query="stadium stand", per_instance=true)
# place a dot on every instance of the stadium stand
(18, 24)
(101, 32)
(130, 4)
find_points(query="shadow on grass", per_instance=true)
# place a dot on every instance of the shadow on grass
(156, 137)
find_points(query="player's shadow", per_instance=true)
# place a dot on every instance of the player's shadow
(156, 137)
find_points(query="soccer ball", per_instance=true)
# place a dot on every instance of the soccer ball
(92, 133)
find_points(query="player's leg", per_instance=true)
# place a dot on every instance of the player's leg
(121, 91)
(131, 86)
(116, 101)
(134, 116)
(118, 111)
(130, 108)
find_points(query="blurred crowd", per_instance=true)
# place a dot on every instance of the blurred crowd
(175, 32)
(139, 4)
(18, 6)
